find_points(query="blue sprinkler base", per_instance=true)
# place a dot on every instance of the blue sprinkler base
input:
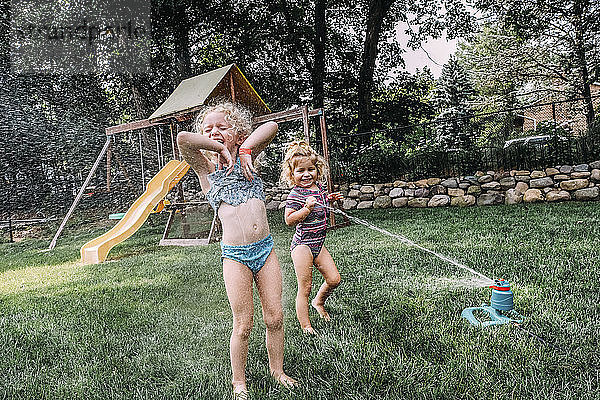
(496, 316)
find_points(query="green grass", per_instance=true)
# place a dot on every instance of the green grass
(154, 322)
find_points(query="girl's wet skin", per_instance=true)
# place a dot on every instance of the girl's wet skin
(243, 224)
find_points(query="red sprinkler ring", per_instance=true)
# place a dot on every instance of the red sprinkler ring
(501, 285)
(501, 288)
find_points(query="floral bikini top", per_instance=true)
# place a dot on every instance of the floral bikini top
(233, 189)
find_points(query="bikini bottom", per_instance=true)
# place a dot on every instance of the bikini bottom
(253, 255)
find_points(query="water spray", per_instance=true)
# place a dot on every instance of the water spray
(413, 244)
(499, 312)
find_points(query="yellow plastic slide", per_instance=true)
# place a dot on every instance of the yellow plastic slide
(96, 250)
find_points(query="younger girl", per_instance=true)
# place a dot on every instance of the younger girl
(235, 191)
(307, 208)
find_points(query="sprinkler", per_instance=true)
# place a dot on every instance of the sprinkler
(501, 303)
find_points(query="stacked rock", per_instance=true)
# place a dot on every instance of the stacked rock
(561, 183)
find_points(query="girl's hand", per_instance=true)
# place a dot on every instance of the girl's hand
(335, 196)
(310, 202)
(247, 166)
(225, 160)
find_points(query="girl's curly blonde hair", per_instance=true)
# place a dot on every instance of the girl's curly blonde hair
(236, 115)
(295, 151)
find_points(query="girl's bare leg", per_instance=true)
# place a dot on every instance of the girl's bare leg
(303, 261)
(268, 282)
(238, 283)
(325, 264)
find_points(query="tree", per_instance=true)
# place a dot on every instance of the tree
(402, 103)
(376, 12)
(568, 29)
(426, 19)
(499, 65)
(451, 97)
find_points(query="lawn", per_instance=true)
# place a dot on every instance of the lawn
(154, 322)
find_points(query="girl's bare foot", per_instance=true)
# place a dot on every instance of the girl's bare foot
(309, 331)
(285, 380)
(321, 310)
(240, 392)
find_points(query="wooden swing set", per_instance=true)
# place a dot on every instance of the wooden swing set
(227, 83)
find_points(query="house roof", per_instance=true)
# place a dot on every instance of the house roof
(228, 83)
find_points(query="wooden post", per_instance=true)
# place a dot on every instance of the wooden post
(168, 225)
(158, 149)
(553, 118)
(231, 86)
(108, 160)
(323, 126)
(305, 124)
(160, 140)
(185, 226)
(87, 181)
(214, 227)
(142, 161)
(173, 143)
(326, 156)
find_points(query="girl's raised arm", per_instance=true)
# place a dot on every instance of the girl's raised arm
(254, 145)
(190, 145)
(260, 138)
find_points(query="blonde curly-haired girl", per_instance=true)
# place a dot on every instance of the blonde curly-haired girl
(235, 191)
(307, 207)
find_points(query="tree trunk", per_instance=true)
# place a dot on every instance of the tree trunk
(581, 62)
(316, 66)
(181, 25)
(138, 95)
(5, 38)
(318, 73)
(377, 12)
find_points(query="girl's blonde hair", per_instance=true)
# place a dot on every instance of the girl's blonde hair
(237, 116)
(295, 151)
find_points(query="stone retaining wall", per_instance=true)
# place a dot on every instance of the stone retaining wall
(562, 183)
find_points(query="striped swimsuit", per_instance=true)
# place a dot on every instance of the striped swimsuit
(311, 231)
